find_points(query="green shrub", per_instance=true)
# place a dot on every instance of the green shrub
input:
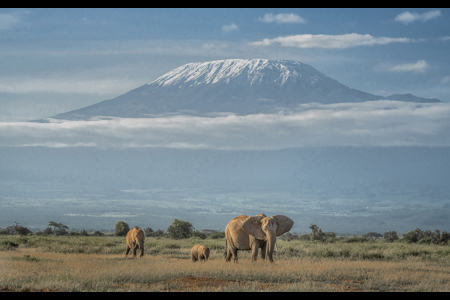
(356, 239)
(121, 228)
(180, 229)
(8, 245)
(217, 235)
(304, 237)
(199, 234)
(426, 237)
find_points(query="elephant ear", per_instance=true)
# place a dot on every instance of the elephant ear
(252, 226)
(284, 224)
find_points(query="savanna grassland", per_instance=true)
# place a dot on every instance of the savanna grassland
(97, 264)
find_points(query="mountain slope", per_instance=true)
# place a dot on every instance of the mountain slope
(240, 86)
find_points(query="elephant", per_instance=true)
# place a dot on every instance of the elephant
(135, 240)
(199, 252)
(252, 233)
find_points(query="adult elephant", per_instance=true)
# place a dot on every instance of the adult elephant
(252, 233)
(135, 240)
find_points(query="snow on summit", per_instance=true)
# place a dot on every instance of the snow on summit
(250, 70)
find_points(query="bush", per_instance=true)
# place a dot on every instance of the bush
(180, 229)
(288, 236)
(217, 235)
(22, 230)
(390, 236)
(445, 237)
(121, 228)
(199, 234)
(8, 245)
(316, 233)
(426, 237)
(48, 231)
(304, 237)
(356, 239)
(148, 232)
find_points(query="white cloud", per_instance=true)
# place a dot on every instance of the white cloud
(331, 41)
(281, 18)
(229, 28)
(374, 123)
(418, 67)
(7, 21)
(407, 17)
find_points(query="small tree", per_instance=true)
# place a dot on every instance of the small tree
(180, 229)
(316, 232)
(445, 237)
(148, 232)
(121, 228)
(58, 228)
(22, 230)
(98, 233)
(390, 236)
(48, 231)
(158, 233)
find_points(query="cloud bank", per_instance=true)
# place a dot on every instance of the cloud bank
(229, 28)
(281, 18)
(375, 123)
(418, 67)
(330, 41)
(407, 17)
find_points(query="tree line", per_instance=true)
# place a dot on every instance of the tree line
(180, 229)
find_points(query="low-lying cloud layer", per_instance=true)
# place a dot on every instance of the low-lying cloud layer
(331, 41)
(376, 123)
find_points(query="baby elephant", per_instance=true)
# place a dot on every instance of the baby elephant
(199, 252)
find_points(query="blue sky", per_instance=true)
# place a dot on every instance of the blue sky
(55, 60)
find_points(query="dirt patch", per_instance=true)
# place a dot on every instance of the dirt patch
(7, 289)
(192, 283)
(346, 286)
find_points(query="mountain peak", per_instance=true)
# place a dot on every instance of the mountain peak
(252, 71)
(239, 86)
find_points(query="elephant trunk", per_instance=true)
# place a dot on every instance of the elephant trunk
(271, 242)
(141, 247)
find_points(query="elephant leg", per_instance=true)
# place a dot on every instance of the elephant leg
(229, 254)
(255, 253)
(263, 250)
(128, 250)
(235, 254)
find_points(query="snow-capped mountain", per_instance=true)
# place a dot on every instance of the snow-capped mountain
(240, 86)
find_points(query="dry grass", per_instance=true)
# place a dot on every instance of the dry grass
(37, 269)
